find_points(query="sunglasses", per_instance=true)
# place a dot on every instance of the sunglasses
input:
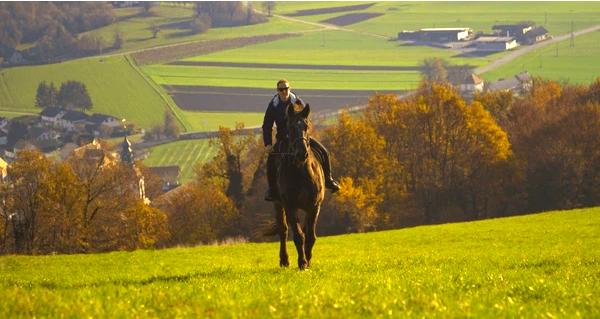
(283, 89)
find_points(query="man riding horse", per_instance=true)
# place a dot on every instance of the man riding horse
(276, 113)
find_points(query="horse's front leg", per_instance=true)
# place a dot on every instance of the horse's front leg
(310, 228)
(292, 217)
(282, 228)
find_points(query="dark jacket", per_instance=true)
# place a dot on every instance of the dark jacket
(276, 114)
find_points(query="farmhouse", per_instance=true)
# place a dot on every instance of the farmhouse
(518, 84)
(536, 35)
(106, 120)
(512, 30)
(486, 43)
(437, 34)
(471, 84)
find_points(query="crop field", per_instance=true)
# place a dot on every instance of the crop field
(556, 17)
(186, 154)
(544, 265)
(578, 64)
(113, 84)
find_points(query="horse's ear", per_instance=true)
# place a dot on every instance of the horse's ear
(306, 111)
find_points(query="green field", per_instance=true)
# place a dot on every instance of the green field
(115, 87)
(264, 78)
(545, 265)
(561, 62)
(211, 121)
(338, 48)
(556, 17)
(173, 22)
(183, 153)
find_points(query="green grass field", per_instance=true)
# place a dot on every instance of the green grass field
(173, 22)
(338, 48)
(543, 266)
(113, 84)
(556, 17)
(183, 153)
(578, 64)
(264, 78)
(211, 121)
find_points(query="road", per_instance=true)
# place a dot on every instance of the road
(524, 50)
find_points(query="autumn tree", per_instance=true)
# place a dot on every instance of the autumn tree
(198, 213)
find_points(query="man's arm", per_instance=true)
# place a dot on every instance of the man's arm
(267, 126)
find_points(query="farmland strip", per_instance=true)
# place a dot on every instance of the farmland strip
(298, 66)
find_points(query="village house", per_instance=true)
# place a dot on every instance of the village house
(72, 120)
(52, 115)
(169, 176)
(471, 85)
(487, 43)
(518, 84)
(437, 34)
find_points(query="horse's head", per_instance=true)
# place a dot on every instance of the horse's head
(298, 124)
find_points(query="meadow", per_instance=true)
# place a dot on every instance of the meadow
(173, 22)
(265, 78)
(211, 121)
(114, 85)
(561, 62)
(185, 153)
(556, 17)
(338, 48)
(544, 266)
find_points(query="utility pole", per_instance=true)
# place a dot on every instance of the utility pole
(572, 44)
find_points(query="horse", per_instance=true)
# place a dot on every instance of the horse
(301, 185)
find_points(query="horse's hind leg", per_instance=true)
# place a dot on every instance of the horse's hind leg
(310, 228)
(292, 217)
(282, 228)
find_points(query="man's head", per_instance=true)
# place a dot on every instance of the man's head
(283, 89)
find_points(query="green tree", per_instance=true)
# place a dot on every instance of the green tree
(46, 96)
(171, 129)
(74, 95)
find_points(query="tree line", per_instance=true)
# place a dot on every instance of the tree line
(428, 158)
(53, 27)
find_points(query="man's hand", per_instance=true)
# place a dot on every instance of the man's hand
(269, 148)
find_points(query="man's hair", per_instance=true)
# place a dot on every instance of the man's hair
(283, 81)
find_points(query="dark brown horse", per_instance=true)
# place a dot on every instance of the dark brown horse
(301, 185)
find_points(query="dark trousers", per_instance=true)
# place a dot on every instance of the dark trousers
(273, 161)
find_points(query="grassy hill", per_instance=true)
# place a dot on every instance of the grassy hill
(114, 85)
(544, 265)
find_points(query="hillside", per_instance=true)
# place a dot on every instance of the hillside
(543, 265)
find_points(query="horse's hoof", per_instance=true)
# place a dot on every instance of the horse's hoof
(302, 265)
(284, 263)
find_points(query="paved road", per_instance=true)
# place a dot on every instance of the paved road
(526, 49)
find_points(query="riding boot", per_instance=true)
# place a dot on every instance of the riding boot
(272, 193)
(325, 162)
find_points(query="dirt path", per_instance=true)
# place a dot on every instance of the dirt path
(524, 50)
